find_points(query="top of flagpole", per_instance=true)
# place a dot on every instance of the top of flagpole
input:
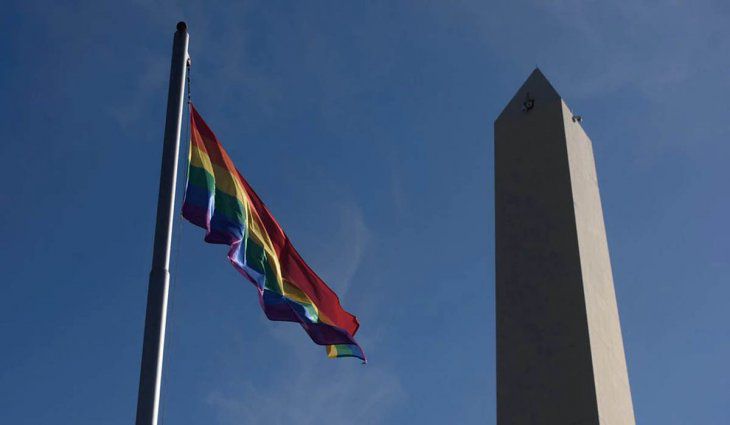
(182, 26)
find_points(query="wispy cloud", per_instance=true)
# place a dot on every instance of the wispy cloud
(353, 394)
(347, 249)
(320, 391)
(147, 83)
(648, 45)
(600, 47)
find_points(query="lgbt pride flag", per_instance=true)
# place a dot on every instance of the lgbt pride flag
(218, 199)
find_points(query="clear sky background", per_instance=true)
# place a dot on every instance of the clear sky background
(367, 129)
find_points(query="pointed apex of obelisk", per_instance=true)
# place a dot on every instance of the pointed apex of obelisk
(534, 91)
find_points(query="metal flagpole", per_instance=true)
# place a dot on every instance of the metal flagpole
(148, 401)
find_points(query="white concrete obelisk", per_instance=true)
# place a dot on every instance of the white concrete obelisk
(560, 354)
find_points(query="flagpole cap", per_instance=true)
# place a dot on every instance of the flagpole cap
(182, 26)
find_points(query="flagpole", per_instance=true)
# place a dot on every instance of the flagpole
(148, 401)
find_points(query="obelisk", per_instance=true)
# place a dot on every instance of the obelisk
(560, 354)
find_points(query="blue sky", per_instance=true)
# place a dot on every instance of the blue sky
(367, 129)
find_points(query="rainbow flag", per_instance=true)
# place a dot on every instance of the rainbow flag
(218, 199)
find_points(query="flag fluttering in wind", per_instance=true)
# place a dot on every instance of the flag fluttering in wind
(218, 199)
